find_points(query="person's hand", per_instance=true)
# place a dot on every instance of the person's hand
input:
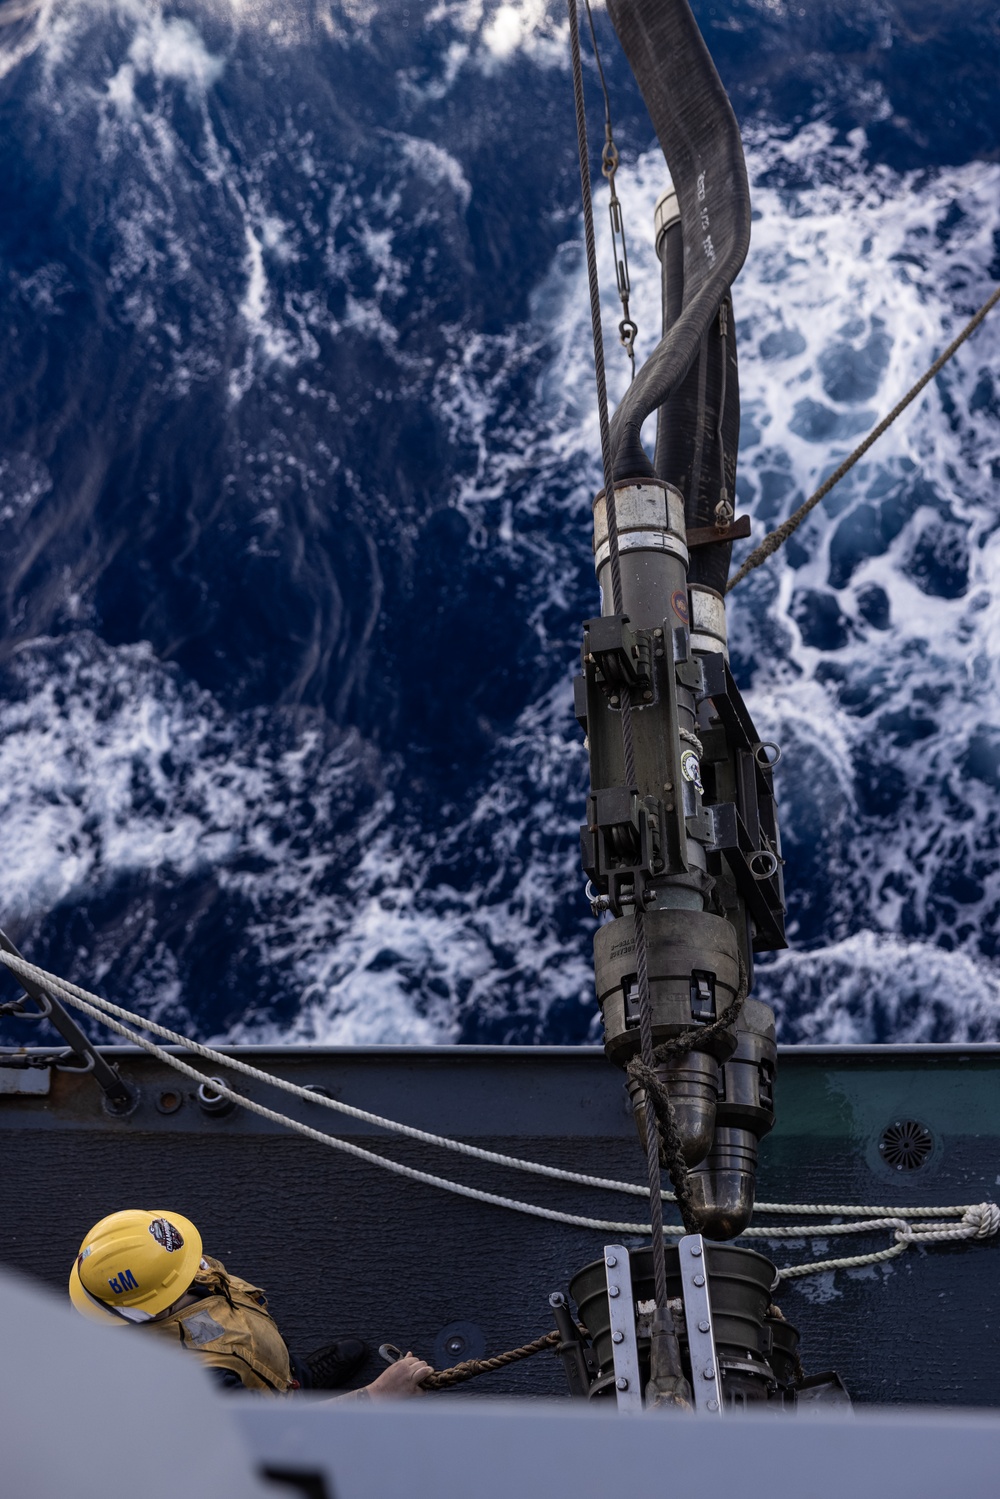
(401, 1380)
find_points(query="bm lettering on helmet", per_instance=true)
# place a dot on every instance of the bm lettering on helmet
(123, 1281)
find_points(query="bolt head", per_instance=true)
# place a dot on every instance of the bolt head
(699, 1280)
(696, 1249)
(613, 1291)
(708, 1372)
(621, 1384)
(713, 1405)
(613, 701)
(647, 697)
(703, 1327)
(617, 1337)
(611, 1260)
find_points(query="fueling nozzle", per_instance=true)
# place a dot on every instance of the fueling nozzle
(694, 975)
(722, 1185)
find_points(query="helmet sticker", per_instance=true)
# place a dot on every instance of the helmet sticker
(166, 1235)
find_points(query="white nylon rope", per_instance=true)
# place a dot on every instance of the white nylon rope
(978, 1220)
(74, 995)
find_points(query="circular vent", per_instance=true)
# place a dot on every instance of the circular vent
(906, 1145)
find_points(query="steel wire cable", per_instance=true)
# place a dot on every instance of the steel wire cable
(780, 535)
(628, 742)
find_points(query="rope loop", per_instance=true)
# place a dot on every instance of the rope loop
(983, 1218)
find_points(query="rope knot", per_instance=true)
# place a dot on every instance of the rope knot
(984, 1217)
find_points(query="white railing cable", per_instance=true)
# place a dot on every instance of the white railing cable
(969, 1221)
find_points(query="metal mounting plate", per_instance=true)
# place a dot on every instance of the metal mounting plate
(25, 1079)
(705, 1383)
(625, 1349)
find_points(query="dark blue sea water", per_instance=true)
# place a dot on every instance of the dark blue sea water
(297, 446)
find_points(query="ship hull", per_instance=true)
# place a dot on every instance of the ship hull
(342, 1246)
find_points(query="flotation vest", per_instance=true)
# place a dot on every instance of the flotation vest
(230, 1328)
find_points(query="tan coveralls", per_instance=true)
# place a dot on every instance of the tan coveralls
(231, 1329)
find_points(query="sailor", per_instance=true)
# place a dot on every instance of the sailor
(148, 1269)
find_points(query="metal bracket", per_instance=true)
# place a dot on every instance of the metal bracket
(713, 536)
(622, 657)
(120, 1096)
(746, 831)
(624, 1347)
(576, 1356)
(706, 1385)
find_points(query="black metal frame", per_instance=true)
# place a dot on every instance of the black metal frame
(747, 828)
(119, 1094)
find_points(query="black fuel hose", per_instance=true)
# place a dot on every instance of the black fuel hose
(700, 139)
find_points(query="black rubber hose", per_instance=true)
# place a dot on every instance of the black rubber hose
(697, 131)
(688, 452)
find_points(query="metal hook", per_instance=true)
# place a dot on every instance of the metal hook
(88, 1063)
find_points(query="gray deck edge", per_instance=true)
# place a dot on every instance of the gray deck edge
(319, 1048)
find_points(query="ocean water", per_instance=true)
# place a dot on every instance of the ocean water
(297, 445)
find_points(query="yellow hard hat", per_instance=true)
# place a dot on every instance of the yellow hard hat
(133, 1265)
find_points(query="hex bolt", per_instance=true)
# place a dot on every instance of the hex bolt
(611, 1260)
(699, 1280)
(647, 697)
(703, 1326)
(613, 700)
(713, 1405)
(621, 1384)
(617, 1337)
(708, 1372)
(696, 1249)
(613, 1291)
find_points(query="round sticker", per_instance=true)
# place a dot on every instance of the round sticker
(166, 1235)
(691, 770)
(679, 604)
